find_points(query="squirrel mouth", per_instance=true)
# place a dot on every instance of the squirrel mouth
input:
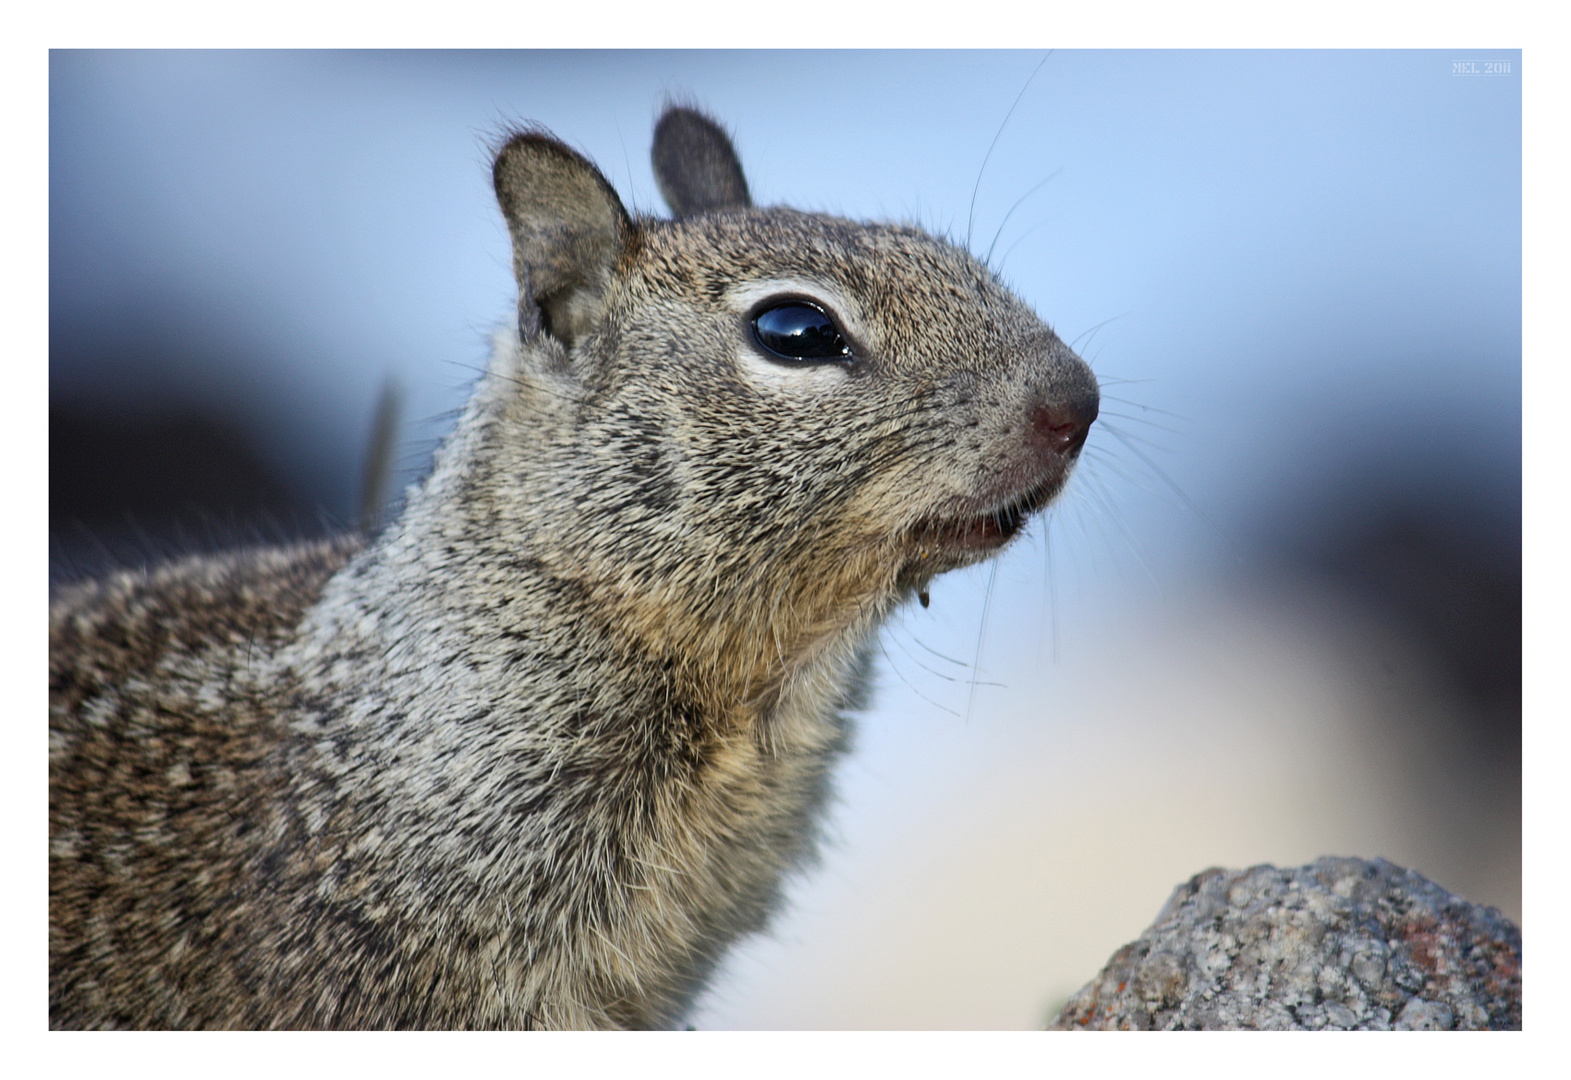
(979, 533)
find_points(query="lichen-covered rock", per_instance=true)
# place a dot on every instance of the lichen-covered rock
(1339, 944)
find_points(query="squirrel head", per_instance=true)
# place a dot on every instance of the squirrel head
(767, 427)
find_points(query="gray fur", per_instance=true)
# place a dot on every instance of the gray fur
(695, 166)
(541, 752)
(568, 227)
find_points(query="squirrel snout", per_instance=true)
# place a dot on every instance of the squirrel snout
(1061, 427)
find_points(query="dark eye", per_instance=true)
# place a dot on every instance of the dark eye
(797, 330)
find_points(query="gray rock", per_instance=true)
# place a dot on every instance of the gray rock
(1341, 944)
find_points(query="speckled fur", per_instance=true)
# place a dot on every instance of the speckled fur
(541, 752)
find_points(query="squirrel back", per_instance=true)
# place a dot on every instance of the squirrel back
(542, 751)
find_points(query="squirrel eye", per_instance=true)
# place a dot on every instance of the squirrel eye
(798, 330)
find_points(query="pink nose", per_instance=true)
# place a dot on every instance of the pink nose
(1061, 427)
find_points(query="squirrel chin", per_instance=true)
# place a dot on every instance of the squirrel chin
(947, 541)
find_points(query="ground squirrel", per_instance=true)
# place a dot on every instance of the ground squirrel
(536, 755)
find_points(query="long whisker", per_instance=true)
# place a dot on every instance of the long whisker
(1004, 258)
(981, 633)
(1137, 420)
(1090, 334)
(909, 685)
(988, 258)
(1130, 476)
(935, 652)
(1111, 516)
(1114, 380)
(1113, 429)
(1172, 486)
(918, 663)
(1052, 585)
(1142, 406)
(971, 214)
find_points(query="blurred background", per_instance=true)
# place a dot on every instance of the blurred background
(1276, 616)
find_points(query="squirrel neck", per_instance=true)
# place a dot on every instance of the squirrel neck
(534, 740)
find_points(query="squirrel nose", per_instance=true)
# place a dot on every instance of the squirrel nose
(1061, 427)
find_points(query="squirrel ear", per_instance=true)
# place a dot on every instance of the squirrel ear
(695, 164)
(568, 228)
